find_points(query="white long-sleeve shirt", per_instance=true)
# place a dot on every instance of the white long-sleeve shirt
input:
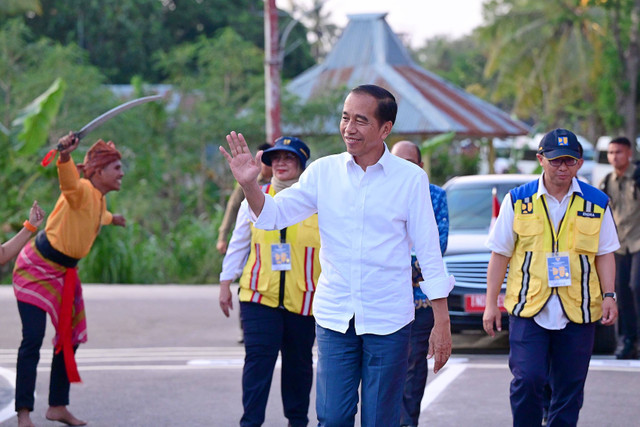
(239, 245)
(368, 223)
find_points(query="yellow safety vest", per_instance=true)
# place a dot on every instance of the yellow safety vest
(260, 284)
(579, 232)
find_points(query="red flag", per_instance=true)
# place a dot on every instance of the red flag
(495, 207)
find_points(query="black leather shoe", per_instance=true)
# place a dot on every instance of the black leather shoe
(627, 351)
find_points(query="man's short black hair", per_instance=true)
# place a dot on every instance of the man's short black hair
(387, 107)
(622, 140)
(264, 146)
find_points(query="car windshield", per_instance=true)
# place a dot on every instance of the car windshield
(470, 205)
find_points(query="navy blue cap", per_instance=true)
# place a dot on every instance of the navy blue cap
(559, 143)
(288, 143)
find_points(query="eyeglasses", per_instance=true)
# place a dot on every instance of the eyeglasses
(569, 161)
(284, 157)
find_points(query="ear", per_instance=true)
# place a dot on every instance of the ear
(386, 129)
(540, 157)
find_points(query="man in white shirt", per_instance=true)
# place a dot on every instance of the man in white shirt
(372, 208)
(557, 236)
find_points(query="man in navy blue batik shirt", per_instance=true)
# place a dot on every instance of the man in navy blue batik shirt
(421, 329)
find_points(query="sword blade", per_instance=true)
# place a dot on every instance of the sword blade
(98, 121)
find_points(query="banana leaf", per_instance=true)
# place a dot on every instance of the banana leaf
(431, 144)
(36, 119)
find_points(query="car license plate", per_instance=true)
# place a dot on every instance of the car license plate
(475, 303)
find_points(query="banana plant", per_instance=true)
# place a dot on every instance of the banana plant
(429, 145)
(34, 121)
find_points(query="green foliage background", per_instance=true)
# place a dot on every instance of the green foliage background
(552, 64)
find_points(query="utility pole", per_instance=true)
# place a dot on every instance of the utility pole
(272, 71)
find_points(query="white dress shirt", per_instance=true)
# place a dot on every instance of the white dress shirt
(239, 245)
(368, 220)
(502, 240)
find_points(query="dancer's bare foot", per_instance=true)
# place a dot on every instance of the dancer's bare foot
(62, 414)
(24, 420)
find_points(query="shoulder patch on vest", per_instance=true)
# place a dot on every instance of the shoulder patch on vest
(525, 191)
(593, 195)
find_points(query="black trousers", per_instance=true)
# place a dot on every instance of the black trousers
(268, 332)
(34, 322)
(628, 290)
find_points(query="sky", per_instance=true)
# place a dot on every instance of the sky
(420, 19)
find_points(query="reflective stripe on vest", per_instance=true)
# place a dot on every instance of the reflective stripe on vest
(260, 284)
(578, 235)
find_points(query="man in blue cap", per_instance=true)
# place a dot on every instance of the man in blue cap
(557, 236)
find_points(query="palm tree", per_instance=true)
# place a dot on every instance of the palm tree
(545, 57)
(323, 33)
(566, 62)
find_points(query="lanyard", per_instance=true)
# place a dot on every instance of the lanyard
(554, 234)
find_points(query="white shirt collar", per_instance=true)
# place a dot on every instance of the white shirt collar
(383, 161)
(575, 188)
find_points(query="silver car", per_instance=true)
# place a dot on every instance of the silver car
(470, 201)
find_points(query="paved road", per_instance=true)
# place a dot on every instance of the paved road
(166, 356)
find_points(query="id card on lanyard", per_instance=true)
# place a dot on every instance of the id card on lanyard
(281, 257)
(558, 269)
(558, 263)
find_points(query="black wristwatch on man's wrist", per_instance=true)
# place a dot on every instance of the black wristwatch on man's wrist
(610, 294)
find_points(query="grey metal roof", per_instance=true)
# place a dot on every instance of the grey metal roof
(369, 52)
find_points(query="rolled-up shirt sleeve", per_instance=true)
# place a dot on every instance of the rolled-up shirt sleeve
(502, 238)
(423, 232)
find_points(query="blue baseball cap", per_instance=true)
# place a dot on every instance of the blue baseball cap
(560, 143)
(288, 143)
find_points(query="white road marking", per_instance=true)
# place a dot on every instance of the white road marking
(8, 411)
(199, 358)
(440, 382)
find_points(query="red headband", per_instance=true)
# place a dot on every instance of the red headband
(99, 155)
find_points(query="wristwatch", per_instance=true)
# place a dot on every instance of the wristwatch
(610, 294)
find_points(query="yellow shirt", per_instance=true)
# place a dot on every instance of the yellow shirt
(78, 215)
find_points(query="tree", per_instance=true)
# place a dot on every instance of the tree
(122, 36)
(11, 8)
(322, 32)
(624, 53)
(546, 60)
(223, 78)
(460, 61)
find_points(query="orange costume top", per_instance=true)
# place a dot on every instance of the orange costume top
(78, 215)
(45, 273)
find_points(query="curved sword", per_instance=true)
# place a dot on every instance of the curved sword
(98, 121)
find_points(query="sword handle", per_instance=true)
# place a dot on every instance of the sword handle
(76, 135)
(48, 158)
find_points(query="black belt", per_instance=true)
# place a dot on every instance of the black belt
(52, 254)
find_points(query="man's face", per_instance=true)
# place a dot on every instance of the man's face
(562, 174)
(109, 178)
(360, 130)
(618, 156)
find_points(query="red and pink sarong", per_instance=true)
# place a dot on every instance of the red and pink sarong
(42, 282)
